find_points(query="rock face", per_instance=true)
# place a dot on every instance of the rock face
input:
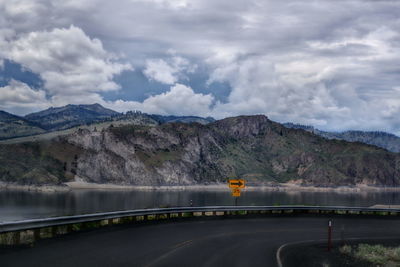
(385, 140)
(252, 147)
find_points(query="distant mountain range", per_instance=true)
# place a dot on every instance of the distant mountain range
(251, 147)
(61, 118)
(69, 116)
(385, 140)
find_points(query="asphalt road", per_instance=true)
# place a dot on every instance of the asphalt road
(199, 242)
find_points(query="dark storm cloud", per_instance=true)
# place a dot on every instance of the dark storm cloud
(332, 64)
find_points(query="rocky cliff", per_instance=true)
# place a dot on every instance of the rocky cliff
(252, 147)
(385, 140)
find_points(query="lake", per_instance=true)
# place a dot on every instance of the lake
(17, 205)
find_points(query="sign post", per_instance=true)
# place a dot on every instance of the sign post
(235, 185)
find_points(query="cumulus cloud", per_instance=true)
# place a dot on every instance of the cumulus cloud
(168, 72)
(179, 100)
(74, 68)
(19, 97)
(161, 71)
(306, 91)
(67, 60)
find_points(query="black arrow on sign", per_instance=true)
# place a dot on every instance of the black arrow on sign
(239, 183)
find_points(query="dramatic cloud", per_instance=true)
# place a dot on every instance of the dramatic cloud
(19, 97)
(160, 71)
(168, 72)
(68, 61)
(72, 66)
(333, 65)
(330, 92)
(179, 100)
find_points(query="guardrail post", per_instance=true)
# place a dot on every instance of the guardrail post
(36, 234)
(16, 238)
(329, 235)
(54, 231)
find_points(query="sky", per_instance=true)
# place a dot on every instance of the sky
(330, 64)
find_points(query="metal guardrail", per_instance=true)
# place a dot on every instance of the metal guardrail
(28, 231)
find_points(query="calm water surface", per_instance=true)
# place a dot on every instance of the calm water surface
(17, 205)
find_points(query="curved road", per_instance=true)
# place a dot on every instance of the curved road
(198, 242)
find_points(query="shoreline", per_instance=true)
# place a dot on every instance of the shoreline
(285, 187)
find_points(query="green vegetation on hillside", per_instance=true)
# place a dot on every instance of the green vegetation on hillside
(15, 126)
(250, 147)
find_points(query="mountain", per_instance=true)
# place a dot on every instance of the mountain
(66, 117)
(61, 118)
(15, 126)
(385, 140)
(70, 115)
(252, 147)
(185, 119)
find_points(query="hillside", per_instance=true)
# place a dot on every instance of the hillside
(252, 147)
(185, 119)
(69, 116)
(15, 126)
(59, 119)
(385, 140)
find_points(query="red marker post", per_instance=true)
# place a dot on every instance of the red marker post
(329, 235)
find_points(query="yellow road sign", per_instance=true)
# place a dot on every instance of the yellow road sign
(236, 192)
(236, 183)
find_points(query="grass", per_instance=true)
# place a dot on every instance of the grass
(377, 255)
(29, 163)
(157, 158)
